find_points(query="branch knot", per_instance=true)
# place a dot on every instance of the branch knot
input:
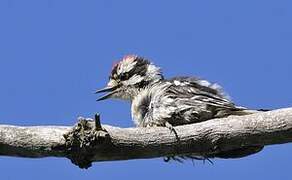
(84, 140)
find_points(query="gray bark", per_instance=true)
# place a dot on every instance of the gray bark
(88, 142)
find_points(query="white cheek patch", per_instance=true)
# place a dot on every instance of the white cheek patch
(134, 80)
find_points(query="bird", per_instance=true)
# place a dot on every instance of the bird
(156, 101)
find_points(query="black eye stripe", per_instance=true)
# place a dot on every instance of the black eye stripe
(140, 68)
(124, 76)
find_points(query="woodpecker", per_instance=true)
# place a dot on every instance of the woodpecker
(156, 101)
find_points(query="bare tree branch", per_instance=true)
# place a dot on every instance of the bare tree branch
(89, 142)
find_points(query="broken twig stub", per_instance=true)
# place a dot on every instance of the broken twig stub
(85, 138)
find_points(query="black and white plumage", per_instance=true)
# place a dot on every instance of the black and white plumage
(160, 102)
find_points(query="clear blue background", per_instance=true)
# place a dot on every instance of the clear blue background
(55, 53)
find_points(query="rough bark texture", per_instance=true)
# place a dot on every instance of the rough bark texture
(88, 142)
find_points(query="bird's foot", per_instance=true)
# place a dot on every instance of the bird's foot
(172, 130)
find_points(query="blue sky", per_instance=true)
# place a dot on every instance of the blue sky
(55, 53)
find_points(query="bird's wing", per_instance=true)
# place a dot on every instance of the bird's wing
(199, 84)
(187, 100)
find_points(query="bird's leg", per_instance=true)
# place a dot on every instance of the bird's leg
(181, 159)
(172, 130)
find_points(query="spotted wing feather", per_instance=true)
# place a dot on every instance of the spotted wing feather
(186, 100)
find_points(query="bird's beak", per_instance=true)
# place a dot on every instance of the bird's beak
(110, 91)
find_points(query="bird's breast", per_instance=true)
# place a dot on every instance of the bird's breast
(141, 106)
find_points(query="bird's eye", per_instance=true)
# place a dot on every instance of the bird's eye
(124, 76)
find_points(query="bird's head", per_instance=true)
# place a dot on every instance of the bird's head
(131, 74)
